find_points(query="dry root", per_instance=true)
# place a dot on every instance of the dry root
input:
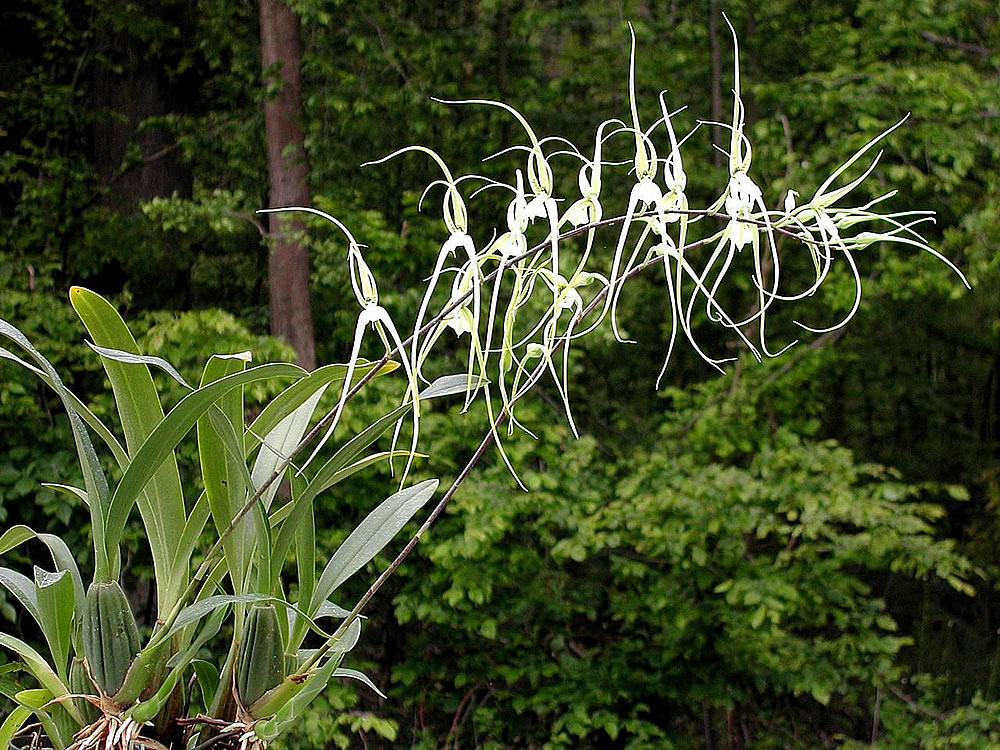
(111, 732)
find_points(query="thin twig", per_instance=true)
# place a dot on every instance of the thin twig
(916, 705)
(456, 722)
(976, 49)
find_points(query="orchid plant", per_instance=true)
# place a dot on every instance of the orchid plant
(521, 302)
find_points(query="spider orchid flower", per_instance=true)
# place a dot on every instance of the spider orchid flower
(645, 194)
(455, 215)
(741, 199)
(672, 209)
(674, 176)
(542, 205)
(587, 209)
(568, 298)
(743, 193)
(540, 180)
(374, 315)
(510, 245)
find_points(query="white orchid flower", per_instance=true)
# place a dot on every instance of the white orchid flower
(743, 193)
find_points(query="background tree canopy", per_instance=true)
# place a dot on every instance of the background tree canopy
(798, 554)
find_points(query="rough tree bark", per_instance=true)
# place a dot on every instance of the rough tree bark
(288, 269)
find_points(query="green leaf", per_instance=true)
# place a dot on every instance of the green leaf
(208, 679)
(14, 721)
(224, 469)
(360, 676)
(305, 564)
(62, 558)
(329, 609)
(93, 475)
(69, 490)
(54, 594)
(292, 515)
(279, 443)
(336, 469)
(128, 358)
(299, 392)
(161, 501)
(370, 536)
(451, 385)
(193, 527)
(29, 702)
(194, 612)
(23, 590)
(41, 671)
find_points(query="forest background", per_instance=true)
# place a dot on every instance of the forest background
(801, 553)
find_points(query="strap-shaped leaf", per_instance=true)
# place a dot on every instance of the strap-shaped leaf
(370, 536)
(360, 677)
(54, 594)
(451, 385)
(353, 447)
(128, 358)
(338, 468)
(67, 489)
(23, 590)
(194, 612)
(329, 609)
(207, 676)
(224, 469)
(296, 513)
(14, 721)
(161, 501)
(448, 385)
(93, 475)
(32, 701)
(61, 556)
(305, 564)
(41, 671)
(296, 394)
(279, 443)
(169, 432)
(193, 527)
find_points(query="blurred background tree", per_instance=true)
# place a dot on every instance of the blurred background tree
(765, 559)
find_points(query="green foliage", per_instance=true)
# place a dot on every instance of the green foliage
(913, 385)
(615, 601)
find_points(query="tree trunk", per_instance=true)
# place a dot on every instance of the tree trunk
(288, 269)
(128, 89)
